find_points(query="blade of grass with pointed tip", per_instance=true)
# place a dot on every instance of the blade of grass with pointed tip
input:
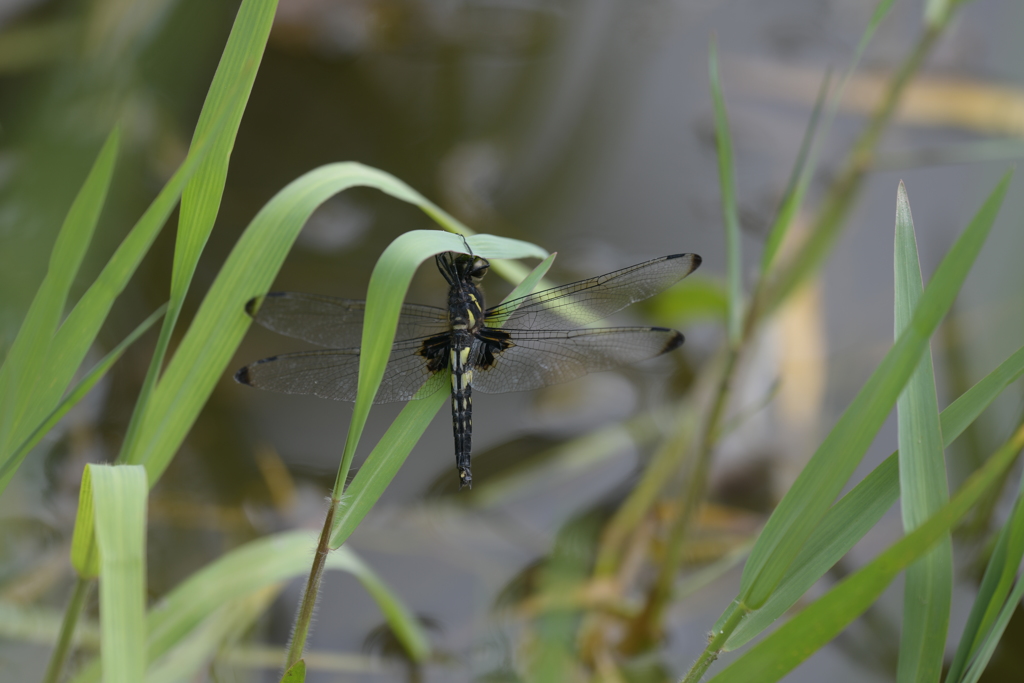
(79, 329)
(730, 214)
(819, 243)
(242, 571)
(928, 588)
(200, 200)
(119, 499)
(98, 372)
(983, 629)
(221, 321)
(394, 447)
(389, 283)
(799, 180)
(28, 358)
(860, 510)
(820, 622)
(829, 469)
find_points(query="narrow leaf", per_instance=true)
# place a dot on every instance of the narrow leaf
(928, 590)
(984, 628)
(28, 357)
(119, 498)
(730, 214)
(800, 637)
(835, 460)
(200, 201)
(79, 329)
(98, 372)
(859, 511)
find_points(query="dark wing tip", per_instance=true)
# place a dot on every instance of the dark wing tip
(675, 339)
(695, 260)
(242, 376)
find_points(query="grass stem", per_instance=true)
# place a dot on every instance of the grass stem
(304, 617)
(62, 650)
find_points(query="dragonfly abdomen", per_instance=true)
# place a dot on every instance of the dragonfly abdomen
(462, 406)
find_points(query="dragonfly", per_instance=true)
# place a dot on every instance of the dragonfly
(519, 345)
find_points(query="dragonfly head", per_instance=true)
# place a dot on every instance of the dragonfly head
(462, 267)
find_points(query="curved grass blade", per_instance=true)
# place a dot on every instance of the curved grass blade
(394, 447)
(198, 652)
(797, 639)
(21, 405)
(86, 384)
(221, 321)
(829, 469)
(860, 510)
(247, 569)
(389, 283)
(928, 588)
(200, 201)
(119, 499)
(730, 214)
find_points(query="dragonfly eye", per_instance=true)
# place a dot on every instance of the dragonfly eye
(479, 269)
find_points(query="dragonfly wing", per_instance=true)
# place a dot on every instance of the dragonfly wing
(334, 373)
(338, 323)
(579, 303)
(522, 360)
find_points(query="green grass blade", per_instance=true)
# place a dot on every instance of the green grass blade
(383, 463)
(928, 588)
(28, 358)
(200, 201)
(797, 639)
(243, 571)
(988, 646)
(86, 384)
(119, 498)
(835, 460)
(195, 655)
(394, 447)
(983, 628)
(858, 511)
(730, 214)
(80, 328)
(799, 180)
(389, 283)
(828, 225)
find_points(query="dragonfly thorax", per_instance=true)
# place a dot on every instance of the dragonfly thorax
(466, 307)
